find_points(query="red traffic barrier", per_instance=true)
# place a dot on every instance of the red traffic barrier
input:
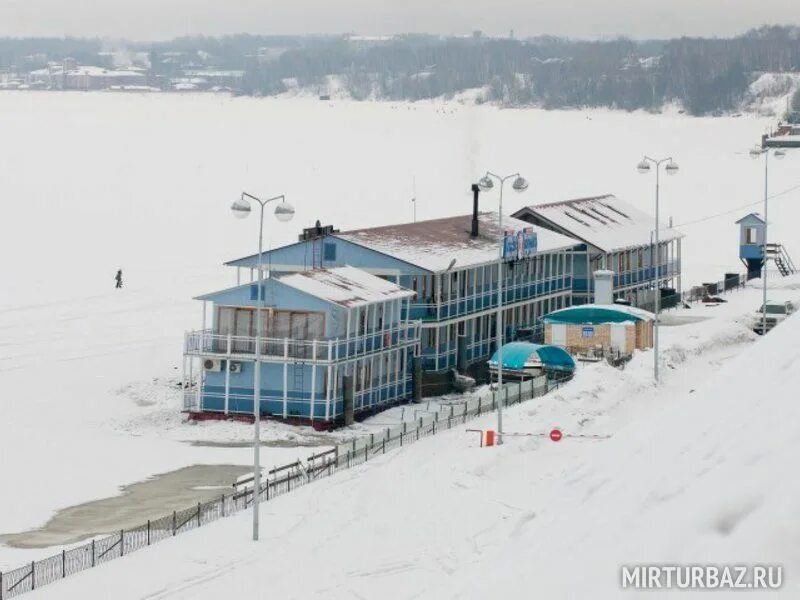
(490, 437)
(556, 435)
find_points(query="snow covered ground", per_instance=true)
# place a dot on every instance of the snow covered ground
(94, 182)
(698, 470)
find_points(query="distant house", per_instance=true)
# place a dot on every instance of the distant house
(335, 343)
(616, 236)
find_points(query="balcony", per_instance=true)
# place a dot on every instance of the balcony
(486, 298)
(636, 276)
(207, 343)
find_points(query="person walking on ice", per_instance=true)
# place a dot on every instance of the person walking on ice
(118, 279)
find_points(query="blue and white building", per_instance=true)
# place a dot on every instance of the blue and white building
(451, 264)
(616, 236)
(320, 329)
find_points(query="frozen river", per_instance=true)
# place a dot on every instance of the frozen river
(95, 182)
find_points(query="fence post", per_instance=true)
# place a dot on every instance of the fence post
(434, 428)
(174, 521)
(122, 542)
(33, 574)
(63, 568)
(401, 441)
(1, 585)
(384, 443)
(267, 490)
(348, 459)
(148, 532)
(366, 451)
(93, 559)
(198, 514)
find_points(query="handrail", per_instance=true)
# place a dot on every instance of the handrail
(206, 342)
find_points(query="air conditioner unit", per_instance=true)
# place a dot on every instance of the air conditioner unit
(212, 364)
(235, 367)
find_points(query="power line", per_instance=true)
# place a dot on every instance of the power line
(738, 208)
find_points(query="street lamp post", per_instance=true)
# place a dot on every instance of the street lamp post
(779, 154)
(520, 184)
(283, 212)
(671, 168)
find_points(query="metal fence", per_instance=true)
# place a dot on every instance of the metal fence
(699, 293)
(278, 481)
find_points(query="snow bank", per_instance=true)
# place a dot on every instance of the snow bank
(695, 470)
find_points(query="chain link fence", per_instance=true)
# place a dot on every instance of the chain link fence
(279, 481)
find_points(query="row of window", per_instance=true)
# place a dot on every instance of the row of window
(435, 288)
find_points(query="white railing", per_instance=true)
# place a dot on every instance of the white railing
(207, 343)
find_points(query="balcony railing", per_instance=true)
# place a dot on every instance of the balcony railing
(208, 343)
(486, 298)
(641, 275)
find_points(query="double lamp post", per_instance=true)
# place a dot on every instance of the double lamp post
(284, 212)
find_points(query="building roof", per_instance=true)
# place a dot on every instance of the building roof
(346, 286)
(751, 216)
(596, 314)
(605, 222)
(516, 354)
(434, 244)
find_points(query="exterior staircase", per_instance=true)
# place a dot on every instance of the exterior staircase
(781, 258)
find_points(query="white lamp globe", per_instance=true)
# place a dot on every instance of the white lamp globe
(284, 212)
(241, 208)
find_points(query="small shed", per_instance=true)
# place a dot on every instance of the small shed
(752, 236)
(614, 327)
(525, 359)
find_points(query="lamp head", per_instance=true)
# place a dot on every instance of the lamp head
(520, 184)
(241, 208)
(485, 183)
(284, 212)
(643, 167)
(671, 168)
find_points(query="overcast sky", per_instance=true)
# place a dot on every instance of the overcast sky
(160, 19)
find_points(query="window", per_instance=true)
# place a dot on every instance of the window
(750, 235)
(329, 252)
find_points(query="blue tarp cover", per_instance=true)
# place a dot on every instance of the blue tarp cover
(516, 354)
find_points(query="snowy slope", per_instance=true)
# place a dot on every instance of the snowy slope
(697, 470)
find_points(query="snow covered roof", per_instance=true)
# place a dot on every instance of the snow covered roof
(598, 313)
(434, 244)
(345, 286)
(750, 217)
(605, 222)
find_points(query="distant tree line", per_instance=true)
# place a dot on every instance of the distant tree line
(705, 76)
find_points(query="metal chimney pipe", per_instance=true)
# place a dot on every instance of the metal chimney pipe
(476, 190)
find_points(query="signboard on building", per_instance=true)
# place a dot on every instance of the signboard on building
(519, 244)
(587, 332)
